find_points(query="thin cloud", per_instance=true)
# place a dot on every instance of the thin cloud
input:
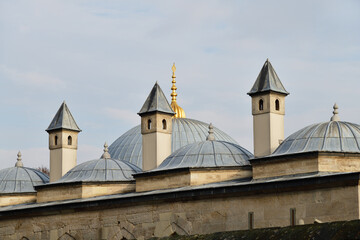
(31, 157)
(124, 115)
(88, 152)
(104, 57)
(33, 79)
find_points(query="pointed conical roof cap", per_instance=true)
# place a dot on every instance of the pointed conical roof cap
(63, 120)
(156, 102)
(267, 80)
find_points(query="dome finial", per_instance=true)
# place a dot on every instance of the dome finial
(179, 112)
(106, 153)
(19, 162)
(173, 88)
(335, 117)
(211, 136)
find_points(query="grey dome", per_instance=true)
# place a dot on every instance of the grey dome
(128, 147)
(333, 136)
(21, 180)
(207, 154)
(101, 170)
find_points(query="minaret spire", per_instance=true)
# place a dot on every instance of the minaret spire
(156, 129)
(179, 112)
(63, 142)
(268, 110)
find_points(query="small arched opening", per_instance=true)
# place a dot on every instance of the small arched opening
(149, 124)
(261, 105)
(277, 105)
(69, 140)
(164, 124)
(56, 140)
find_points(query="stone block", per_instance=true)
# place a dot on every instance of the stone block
(165, 216)
(53, 234)
(163, 229)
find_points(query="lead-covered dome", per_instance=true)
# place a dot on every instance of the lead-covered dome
(333, 136)
(101, 170)
(128, 147)
(104, 169)
(20, 179)
(210, 153)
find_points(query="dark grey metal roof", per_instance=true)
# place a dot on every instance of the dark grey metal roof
(156, 102)
(21, 180)
(267, 80)
(128, 147)
(101, 170)
(207, 154)
(63, 120)
(333, 136)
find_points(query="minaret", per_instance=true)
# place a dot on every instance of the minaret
(179, 112)
(156, 128)
(63, 142)
(268, 110)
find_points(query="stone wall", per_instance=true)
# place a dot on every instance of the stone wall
(200, 177)
(339, 163)
(163, 181)
(12, 199)
(284, 167)
(334, 230)
(79, 190)
(305, 163)
(189, 177)
(185, 216)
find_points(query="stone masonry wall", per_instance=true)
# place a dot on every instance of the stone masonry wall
(186, 217)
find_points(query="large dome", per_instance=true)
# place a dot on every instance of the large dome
(20, 179)
(207, 154)
(333, 136)
(101, 170)
(128, 147)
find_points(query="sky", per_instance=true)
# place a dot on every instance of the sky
(103, 58)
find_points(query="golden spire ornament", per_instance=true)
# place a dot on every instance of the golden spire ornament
(173, 88)
(179, 112)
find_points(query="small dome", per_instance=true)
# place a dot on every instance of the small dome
(101, 170)
(207, 154)
(128, 147)
(21, 179)
(333, 136)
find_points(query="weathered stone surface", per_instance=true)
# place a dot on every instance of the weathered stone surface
(6, 200)
(197, 216)
(335, 230)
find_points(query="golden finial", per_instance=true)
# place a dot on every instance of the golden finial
(173, 88)
(179, 112)
(173, 69)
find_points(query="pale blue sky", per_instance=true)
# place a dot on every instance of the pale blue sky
(103, 58)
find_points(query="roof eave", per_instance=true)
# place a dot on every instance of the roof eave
(154, 111)
(267, 91)
(54, 129)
